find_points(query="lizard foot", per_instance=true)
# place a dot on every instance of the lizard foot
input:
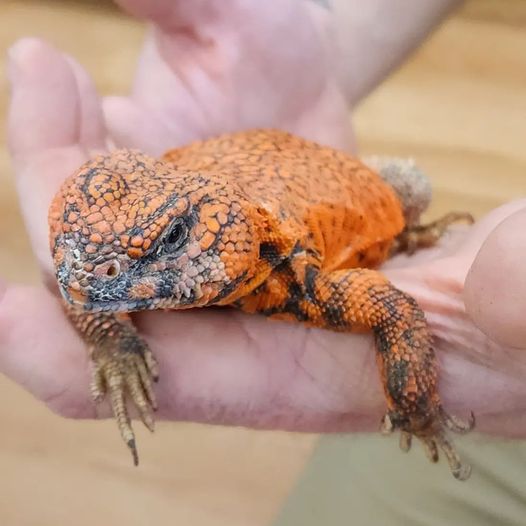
(121, 373)
(433, 436)
(423, 236)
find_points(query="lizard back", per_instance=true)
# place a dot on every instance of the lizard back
(330, 202)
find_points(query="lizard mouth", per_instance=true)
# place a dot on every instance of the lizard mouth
(119, 306)
(128, 294)
(76, 295)
(81, 299)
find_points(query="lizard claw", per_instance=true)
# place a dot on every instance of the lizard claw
(133, 449)
(456, 424)
(405, 441)
(119, 373)
(433, 437)
(423, 236)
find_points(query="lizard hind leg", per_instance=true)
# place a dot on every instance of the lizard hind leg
(414, 191)
(424, 236)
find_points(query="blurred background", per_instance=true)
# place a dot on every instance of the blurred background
(459, 107)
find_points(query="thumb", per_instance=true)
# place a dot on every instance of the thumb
(495, 287)
(54, 121)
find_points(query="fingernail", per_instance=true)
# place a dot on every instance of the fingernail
(15, 57)
(19, 54)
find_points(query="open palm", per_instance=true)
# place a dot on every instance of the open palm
(194, 81)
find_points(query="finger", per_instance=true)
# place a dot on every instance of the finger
(92, 135)
(132, 126)
(173, 16)
(483, 228)
(190, 80)
(54, 103)
(44, 109)
(156, 10)
(53, 109)
(388, 30)
(495, 288)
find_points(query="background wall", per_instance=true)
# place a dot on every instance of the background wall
(458, 107)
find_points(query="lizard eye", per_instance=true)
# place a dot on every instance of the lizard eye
(176, 237)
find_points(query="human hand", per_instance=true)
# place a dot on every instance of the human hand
(226, 367)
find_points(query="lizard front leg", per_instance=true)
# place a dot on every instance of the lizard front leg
(360, 300)
(123, 366)
(364, 299)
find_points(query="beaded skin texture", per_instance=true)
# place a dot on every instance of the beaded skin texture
(261, 220)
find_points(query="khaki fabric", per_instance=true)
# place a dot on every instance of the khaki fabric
(367, 480)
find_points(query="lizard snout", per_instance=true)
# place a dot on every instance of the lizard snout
(84, 285)
(77, 293)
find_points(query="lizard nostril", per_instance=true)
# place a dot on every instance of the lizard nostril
(107, 270)
(113, 269)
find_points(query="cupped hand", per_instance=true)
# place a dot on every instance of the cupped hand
(224, 366)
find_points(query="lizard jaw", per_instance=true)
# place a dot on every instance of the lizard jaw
(123, 306)
(183, 298)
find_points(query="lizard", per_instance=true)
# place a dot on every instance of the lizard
(263, 221)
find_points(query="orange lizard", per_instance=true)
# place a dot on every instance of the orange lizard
(263, 221)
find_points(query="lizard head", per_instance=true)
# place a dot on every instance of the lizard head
(129, 232)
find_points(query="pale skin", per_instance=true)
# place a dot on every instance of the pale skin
(230, 368)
